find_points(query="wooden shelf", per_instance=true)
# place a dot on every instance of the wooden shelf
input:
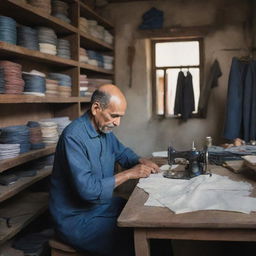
(20, 98)
(23, 158)
(22, 210)
(96, 69)
(87, 12)
(85, 99)
(12, 51)
(29, 15)
(174, 32)
(89, 42)
(22, 183)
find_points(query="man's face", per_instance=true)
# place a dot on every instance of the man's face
(107, 119)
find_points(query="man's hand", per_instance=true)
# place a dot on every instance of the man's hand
(139, 171)
(136, 172)
(150, 164)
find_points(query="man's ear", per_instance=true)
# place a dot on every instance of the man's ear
(95, 108)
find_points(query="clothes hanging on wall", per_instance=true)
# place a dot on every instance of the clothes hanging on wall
(212, 81)
(241, 101)
(184, 99)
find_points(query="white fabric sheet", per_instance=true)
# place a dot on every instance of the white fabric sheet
(199, 193)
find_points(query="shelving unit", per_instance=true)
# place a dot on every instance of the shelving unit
(22, 211)
(21, 184)
(19, 109)
(26, 157)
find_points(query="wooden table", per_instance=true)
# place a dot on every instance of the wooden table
(158, 222)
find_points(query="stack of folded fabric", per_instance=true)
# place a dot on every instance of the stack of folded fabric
(28, 38)
(35, 135)
(83, 55)
(92, 28)
(62, 122)
(49, 132)
(9, 151)
(22, 173)
(44, 5)
(93, 57)
(65, 91)
(9, 177)
(60, 10)
(95, 83)
(64, 83)
(52, 87)
(14, 83)
(47, 40)
(2, 80)
(34, 84)
(84, 26)
(43, 162)
(100, 32)
(108, 38)
(108, 62)
(8, 31)
(63, 48)
(18, 134)
(91, 84)
(83, 85)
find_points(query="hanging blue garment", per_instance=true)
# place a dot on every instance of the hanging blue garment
(152, 19)
(235, 99)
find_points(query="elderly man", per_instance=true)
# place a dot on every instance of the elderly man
(81, 202)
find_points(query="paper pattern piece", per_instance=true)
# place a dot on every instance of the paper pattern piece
(203, 192)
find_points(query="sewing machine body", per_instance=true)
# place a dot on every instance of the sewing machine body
(197, 162)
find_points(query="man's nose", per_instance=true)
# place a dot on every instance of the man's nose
(116, 121)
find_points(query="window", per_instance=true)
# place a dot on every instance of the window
(169, 58)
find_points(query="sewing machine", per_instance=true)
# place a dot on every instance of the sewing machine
(196, 163)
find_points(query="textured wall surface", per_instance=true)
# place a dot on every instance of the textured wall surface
(139, 128)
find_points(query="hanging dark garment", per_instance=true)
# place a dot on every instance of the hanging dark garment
(235, 95)
(247, 103)
(188, 97)
(211, 82)
(179, 94)
(253, 101)
(184, 99)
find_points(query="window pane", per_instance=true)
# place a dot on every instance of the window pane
(160, 92)
(177, 54)
(171, 77)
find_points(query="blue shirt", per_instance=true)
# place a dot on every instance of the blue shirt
(83, 180)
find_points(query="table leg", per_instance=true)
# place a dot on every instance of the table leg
(141, 242)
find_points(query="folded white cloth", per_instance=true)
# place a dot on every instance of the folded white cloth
(160, 154)
(203, 192)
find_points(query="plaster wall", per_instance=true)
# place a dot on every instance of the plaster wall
(139, 128)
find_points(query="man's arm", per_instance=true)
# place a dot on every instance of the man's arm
(142, 170)
(136, 172)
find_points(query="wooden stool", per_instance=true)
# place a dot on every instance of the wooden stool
(60, 249)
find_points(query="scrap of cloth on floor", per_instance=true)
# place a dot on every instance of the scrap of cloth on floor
(203, 192)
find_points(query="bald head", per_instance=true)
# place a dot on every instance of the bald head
(108, 93)
(108, 105)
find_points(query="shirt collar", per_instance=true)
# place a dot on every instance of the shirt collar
(89, 126)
